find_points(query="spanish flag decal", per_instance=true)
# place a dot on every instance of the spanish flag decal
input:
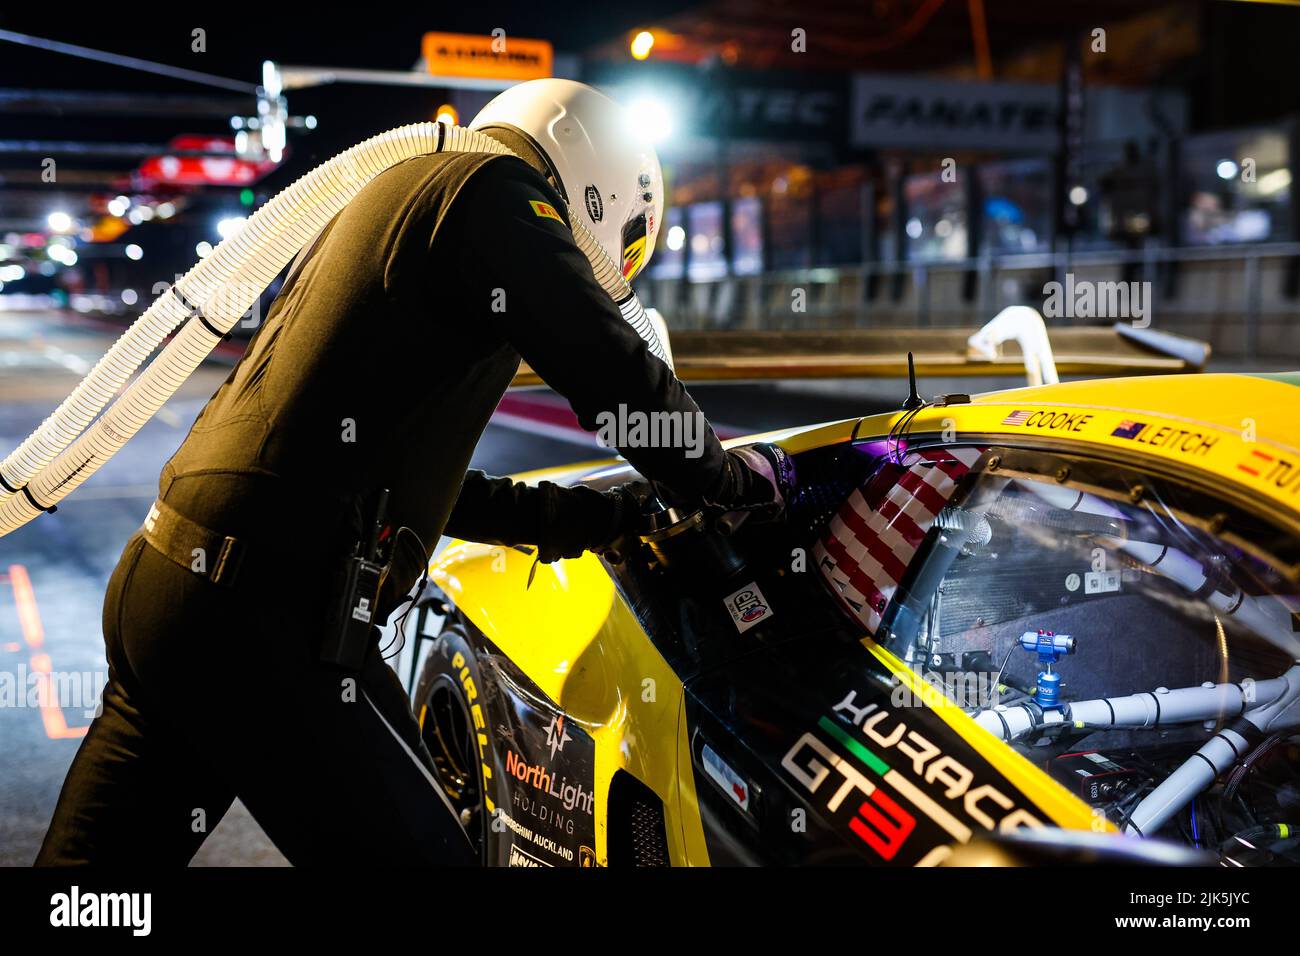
(545, 210)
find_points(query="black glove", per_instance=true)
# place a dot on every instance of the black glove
(582, 519)
(760, 479)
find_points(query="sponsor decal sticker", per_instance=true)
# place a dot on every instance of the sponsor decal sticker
(747, 607)
(872, 539)
(1100, 582)
(1273, 470)
(540, 762)
(908, 781)
(545, 210)
(520, 857)
(1250, 466)
(556, 735)
(1128, 429)
(1184, 441)
(1054, 421)
(595, 207)
(732, 783)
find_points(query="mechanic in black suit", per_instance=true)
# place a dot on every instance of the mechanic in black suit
(378, 367)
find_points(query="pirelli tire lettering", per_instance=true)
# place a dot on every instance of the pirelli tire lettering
(888, 780)
(536, 765)
(460, 666)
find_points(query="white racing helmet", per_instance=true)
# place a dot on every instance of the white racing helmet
(604, 168)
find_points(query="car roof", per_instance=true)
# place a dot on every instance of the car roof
(1225, 400)
(1240, 428)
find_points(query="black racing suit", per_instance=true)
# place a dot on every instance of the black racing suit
(378, 366)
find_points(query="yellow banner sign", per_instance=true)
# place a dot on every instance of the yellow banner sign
(499, 57)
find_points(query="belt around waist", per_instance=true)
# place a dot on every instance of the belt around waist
(225, 559)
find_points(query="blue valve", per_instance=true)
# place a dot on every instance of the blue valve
(1050, 647)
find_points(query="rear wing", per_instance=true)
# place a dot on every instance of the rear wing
(1011, 345)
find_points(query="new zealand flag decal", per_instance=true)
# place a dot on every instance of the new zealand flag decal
(1128, 429)
(595, 208)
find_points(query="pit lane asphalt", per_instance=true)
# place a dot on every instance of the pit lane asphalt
(53, 571)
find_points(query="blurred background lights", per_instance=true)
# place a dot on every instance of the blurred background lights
(642, 44)
(651, 118)
(229, 226)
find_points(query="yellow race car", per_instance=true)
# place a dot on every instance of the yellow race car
(1063, 608)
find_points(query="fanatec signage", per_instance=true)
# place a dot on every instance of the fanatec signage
(922, 113)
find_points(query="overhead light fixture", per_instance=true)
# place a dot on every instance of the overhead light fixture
(642, 44)
(651, 118)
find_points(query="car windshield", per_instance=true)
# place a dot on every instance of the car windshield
(1151, 598)
(1090, 617)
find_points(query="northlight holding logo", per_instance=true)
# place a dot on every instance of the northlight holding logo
(74, 908)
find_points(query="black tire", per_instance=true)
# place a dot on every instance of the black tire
(442, 708)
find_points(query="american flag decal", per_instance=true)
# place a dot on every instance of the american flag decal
(874, 535)
(1016, 418)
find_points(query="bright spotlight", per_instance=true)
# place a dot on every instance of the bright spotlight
(134, 252)
(651, 118)
(1226, 169)
(130, 296)
(228, 227)
(1078, 195)
(203, 249)
(118, 206)
(676, 238)
(642, 44)
(914, 228)
(60, 221)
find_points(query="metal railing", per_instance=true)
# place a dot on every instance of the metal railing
(1244, 299)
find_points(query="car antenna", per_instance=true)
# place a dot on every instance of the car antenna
(914, 399)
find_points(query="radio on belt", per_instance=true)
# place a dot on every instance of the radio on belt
(348, 636)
